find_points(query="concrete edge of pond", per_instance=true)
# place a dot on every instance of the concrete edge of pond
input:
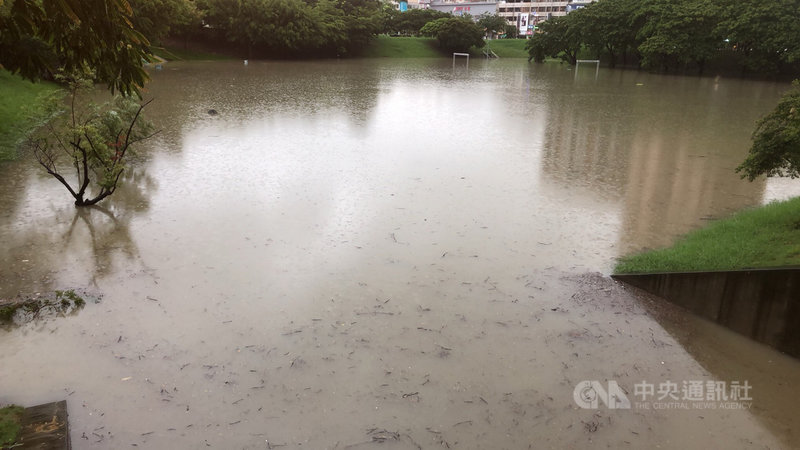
(762, 304)
(45, 426)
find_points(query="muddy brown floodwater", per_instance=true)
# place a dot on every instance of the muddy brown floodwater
(393, 254)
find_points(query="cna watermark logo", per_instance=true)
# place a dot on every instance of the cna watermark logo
(590, 394)
(688, 394)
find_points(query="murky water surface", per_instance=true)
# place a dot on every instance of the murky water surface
(350, 250)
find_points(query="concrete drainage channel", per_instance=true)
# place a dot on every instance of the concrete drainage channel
(763, 304)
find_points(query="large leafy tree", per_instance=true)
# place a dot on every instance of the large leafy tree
(411, 22)
(492, 23)
(607, 27)
(459, 34)
(292, 28)
(679, 32)
(511, 31)
(157, 19)
(776, 141)
(362, 19)
(670, 35)
(39, 37)
(763, 34)
(561, 37)
(281, 26)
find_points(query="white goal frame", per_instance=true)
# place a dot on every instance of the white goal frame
(588, 61)
(460, 54)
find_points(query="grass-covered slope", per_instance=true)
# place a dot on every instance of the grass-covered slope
(16, 95)
(764, 237)
(508, 48)
(402, 47)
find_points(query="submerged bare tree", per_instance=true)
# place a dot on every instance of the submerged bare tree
(84, 145)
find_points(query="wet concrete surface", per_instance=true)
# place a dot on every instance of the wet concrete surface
(373, 253)
(762, 304)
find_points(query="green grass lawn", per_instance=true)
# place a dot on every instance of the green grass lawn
(508, 48)
(402, 47)
(764, 237)
(421, 47)
(16, 94)
(176, 54)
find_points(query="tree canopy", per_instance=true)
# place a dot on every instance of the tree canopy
(559, 38)
(492, 23)
(37, 38)
(455, 34)
(291, 28)
(410, 22)
(157, 19)
(776, 141)
(668, 35)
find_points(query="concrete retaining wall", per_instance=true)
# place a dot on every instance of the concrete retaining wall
(762, 304)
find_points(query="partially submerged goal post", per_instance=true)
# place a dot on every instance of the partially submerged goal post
(590, 61)
(460, 54)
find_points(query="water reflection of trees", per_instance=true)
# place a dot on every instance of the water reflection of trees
(667, 154)
(84, 244)
(109, 227)
(184, 92)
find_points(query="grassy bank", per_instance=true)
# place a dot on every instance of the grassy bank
(421, 47)
(508, 48)
(16, 94)
(764, 237)
(402, 47)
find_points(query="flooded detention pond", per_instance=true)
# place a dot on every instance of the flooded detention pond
(397, 253)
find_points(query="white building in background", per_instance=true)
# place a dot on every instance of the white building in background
(405, 5)
(577, 4)
(525, 14)
(461, 8)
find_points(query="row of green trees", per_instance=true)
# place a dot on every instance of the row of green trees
(287, 28)
(666, 35)
(157, 19)
(409, 23)
(112, 37)
(307, 28)
(282, 28)
(452, 33)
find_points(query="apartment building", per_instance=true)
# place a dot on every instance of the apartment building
(525, 14)
(461, 8)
